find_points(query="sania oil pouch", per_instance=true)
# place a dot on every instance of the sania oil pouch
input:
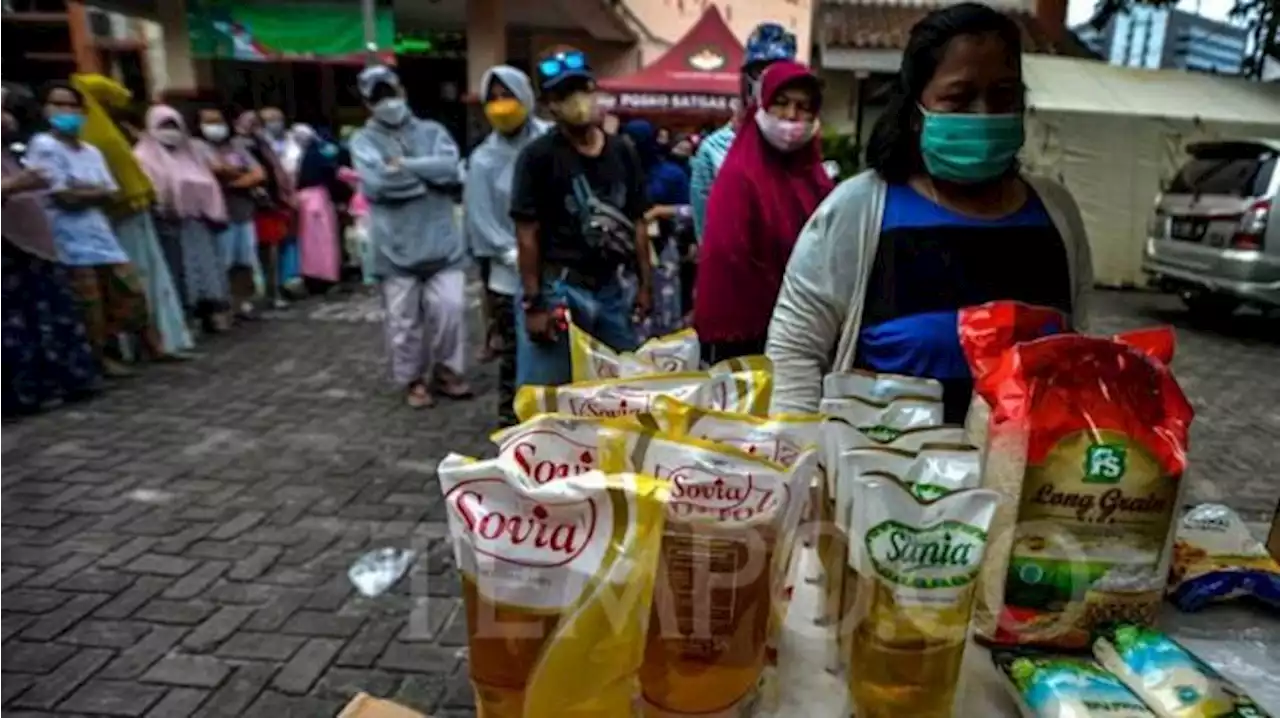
(917, 564)
(932, 472)
(555, 577)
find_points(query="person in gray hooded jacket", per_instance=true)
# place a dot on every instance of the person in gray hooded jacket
(406, 165)
(508, 106)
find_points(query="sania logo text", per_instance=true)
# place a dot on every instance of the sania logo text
(946, 555)
(1105, 463)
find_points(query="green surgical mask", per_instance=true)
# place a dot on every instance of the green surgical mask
(969, 149)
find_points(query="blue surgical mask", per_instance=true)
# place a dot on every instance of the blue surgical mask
(68, 123)
(969, 149)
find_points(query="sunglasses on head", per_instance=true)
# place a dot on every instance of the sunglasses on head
(560, 63)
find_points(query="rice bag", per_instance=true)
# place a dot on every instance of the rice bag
(555, 577)
(1215, 558)
(729, 522)
(1087, 444)
(1172, 681)
(1066, 687)
(741, 385)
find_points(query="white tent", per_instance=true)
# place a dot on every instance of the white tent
(1113, 134)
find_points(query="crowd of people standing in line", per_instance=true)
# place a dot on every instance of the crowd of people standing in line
(127, 235)
(870, 274)
(634, 233)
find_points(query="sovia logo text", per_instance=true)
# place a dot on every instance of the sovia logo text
(1105, 463)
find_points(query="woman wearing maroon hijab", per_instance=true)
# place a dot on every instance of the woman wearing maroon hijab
(771, 181)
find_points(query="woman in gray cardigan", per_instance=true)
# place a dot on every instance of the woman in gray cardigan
(943, 220)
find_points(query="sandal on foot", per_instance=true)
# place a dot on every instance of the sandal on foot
(418, 397)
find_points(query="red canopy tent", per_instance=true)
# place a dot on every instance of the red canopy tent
(698, 74)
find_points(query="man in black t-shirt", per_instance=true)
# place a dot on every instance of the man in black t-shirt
(578, 200)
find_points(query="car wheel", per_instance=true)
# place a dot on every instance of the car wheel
(1210, 306)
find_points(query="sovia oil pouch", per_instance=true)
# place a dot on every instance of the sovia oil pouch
(739, 385)
(555, 577)
(554, 446)
(730, 525)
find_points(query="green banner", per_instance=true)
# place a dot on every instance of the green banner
(264, 31)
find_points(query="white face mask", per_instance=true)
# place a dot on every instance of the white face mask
(391, 111)
(215, 132)
(169, 136)
(785, 135)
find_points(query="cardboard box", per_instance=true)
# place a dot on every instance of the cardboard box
(1273, 538)
(367, 706)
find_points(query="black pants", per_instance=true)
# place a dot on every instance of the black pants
(502, 333)
(716, 352)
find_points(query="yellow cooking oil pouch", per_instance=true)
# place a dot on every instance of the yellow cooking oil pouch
(743, 385)
(592, 359)
(730, 519)
(675, 352)
(556, 446)
(558, 582)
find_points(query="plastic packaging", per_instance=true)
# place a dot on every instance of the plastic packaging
(1172, 681)
(730, 521)
(780, 438)
(1215, 558)
(932, 472)
(671, 354)
(1066, 687)
(378, 570)
(676, 352)
(863, 410)
(553, 446)
(740, 385)
(917, 564)
(592, 359)
(1087, 444)
(556, 577)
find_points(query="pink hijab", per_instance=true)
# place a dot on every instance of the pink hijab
(760, 200)
(184, 185)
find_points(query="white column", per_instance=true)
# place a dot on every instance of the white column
(486, 39)
(180, 69)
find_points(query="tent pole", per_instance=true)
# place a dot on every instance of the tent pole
(370, 12)
(859, 117)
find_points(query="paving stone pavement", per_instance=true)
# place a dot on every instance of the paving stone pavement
(180, 546)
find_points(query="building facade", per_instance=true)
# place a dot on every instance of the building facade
(1169, 39)
(660, 23)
